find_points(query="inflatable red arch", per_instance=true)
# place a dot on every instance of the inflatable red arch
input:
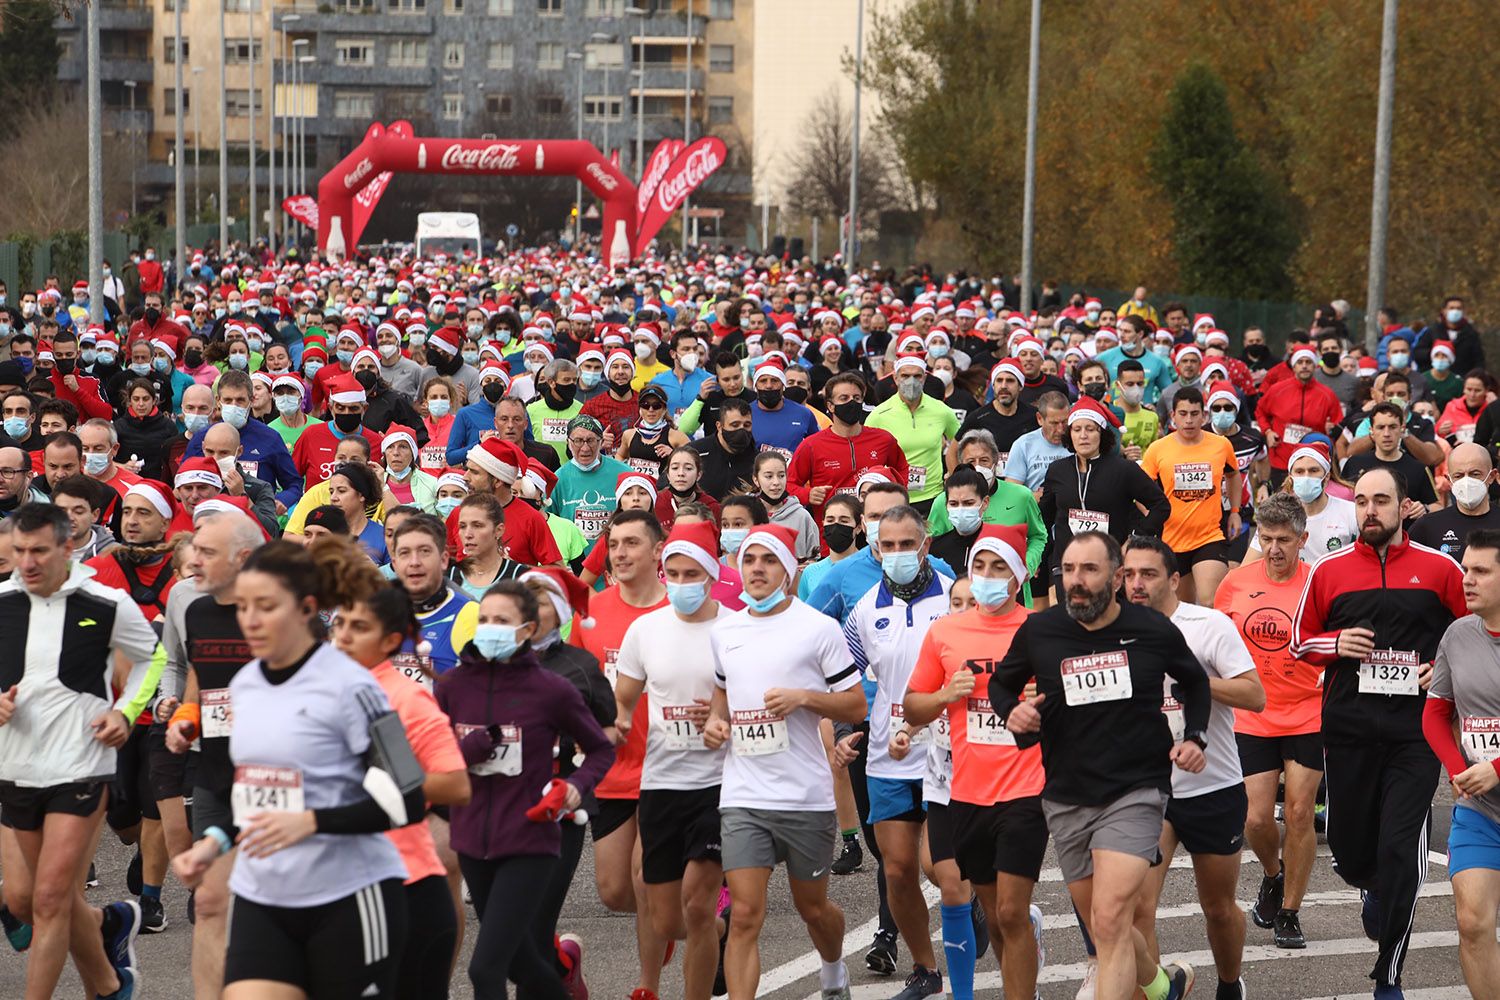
(395, 150)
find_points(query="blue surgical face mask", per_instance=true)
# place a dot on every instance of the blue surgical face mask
(901, 567)
(1307, 488)
(162, 365)
(311, 368)
(590, 467)
(194, 422)
(399, 476)
(872, 535)
(1454, 316)
(106, 357)
(965, 520)
(1162, 350)
(287, 404)
(733, 538)
(989, 592)
(235, 416)
(1399, 359)
(27, 364)
(1222, 419)
(88, 355)
(345, 357)
(437, 409)
(94, 463)
(239, 362)
(687, 598)
(766, 603)
(1440, 363)
(17, 427)
(141, 369)
(255, 343)
(590, 380)
(496, 642)
(471, 357)
(447, 505)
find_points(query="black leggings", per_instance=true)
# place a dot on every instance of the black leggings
(432, 930)
(857, 781)
(556, 894)
(508, 895)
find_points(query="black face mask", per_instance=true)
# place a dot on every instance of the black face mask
(1331, 359)
(65, 366)
(443, 363)
(769, 398)
(151, 316)
(738, 440)
(1256, 351)
(838, 536)
(494, 391)
(367, 380)
(1094, 390)
(850, 411)
(348, 423)
(561, 396)
(796, 394)
(192, 357)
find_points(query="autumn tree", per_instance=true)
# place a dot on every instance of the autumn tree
(819, 167)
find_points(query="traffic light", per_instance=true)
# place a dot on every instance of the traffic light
(573, 212)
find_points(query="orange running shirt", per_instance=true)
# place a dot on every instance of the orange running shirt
(983, 772)
(612, 616)
(1262, 612)
(436, 748)
(1192, 477)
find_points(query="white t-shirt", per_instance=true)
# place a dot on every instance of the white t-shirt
(1212, 637)
(676, 661)
(1331, 529)
(778, 763)
(885, 634)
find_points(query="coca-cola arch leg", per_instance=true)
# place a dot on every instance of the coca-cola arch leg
(474, 157)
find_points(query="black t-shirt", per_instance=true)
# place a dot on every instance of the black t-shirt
(1418, 483)
(1448, 530)
(962, 403)
(713, 405)
(216, 650)
(1005, 429)
(1032, 391)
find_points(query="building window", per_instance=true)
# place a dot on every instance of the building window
(453, 55)
(408, 6)
(549, 8)
(354, 52)
(169, 101)
(721, 58)
(237, 103)
(453, 7)
(240, 6)
(497, 105)
(604, 55)
(549, 55)
(405, 103)
(408, 52)
(604, 8)
(453, 107)
(502, 55)
(549, 107)
(171, 5)
(502, 8)
(350, 104)
(602, 109)
(238, 50)
(721, 10)
(357, 6)
(720, 110)
(169, 51)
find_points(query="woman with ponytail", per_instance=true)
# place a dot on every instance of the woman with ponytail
(509, 712)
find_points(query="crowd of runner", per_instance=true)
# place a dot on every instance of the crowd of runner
(359, 595)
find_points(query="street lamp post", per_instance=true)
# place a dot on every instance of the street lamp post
(302, 110)
(96, 171)
(298, 45)
(250, 44)
(640, 94)
(223, 143)
(1028, 196)
(179, 193)
(600, 36)
(283, 189)
(130, 86)
(197, 145)
(859, 67)
(687, 112)
(578, 182)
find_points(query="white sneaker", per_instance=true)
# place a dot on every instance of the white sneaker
(1035, 915)
(1086, 990)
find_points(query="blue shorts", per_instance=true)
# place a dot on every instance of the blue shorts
(1473, 841)
(895, 798)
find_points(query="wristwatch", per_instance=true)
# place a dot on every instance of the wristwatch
(1196, 736)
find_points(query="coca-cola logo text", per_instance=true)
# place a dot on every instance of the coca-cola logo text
(599, 174)
(656, 168)
(695, 170)
(356, 176)
(496, 156)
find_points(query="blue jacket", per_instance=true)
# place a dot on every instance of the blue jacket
(264, 447)
(468, 423)
(680, 395)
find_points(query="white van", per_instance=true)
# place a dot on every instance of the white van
(450, 233)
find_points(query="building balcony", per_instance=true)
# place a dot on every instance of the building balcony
(369, 76)
(121, 69)
(667, 80)
(311, 21)
(123, 121)
(665, 29)
(125, 15)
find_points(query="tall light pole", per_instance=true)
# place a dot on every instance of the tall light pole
(578, 183)
(96, 172)
(283, 189)
(179, 194)
(197, 144)
(130, 86)
(640, 94)
(600, 36)
(1380, 203)
(223, 142)
(302, 110)
(1028, 209)
(250, 44)
(859, 73)
(298, 152)
(687, 112)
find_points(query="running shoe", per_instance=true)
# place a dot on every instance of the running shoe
(1232, 991)
(17, 933)
(122, 922)
(881, 958)
(836, 993)
(92, 880)
(127, 986)
(1369, 914)
(1389, 993)
(153, 915)
(1034, 913)
(921, 983)
(133, 874)
(1268, 901)
(641, 993)
(721, 985)
(981, 928)
(570, 949)
(1090, 974)
(1288, 930)
(1180, 980)
(850, 860)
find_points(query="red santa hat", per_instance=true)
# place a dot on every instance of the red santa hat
(397, 433)
(1183, 350)
(1090, 409)
(1008, 366)
(773, 367)
(346, 389)
(453, 477)
(1008, 541)
(698, 542)
(446, 339)
(154, 493)
(538, 482)
(1443, 347)
(626, 480)
(591, 351)
(500, 458)
(778, 539)
(1222, 392)
(199, 470)
(1303, 352)
(914, 361)
(1316, 450)
(567, 593)
(876, 474)
(830, 340)
(620, 354)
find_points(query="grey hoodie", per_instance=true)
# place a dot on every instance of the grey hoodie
(795, 516)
